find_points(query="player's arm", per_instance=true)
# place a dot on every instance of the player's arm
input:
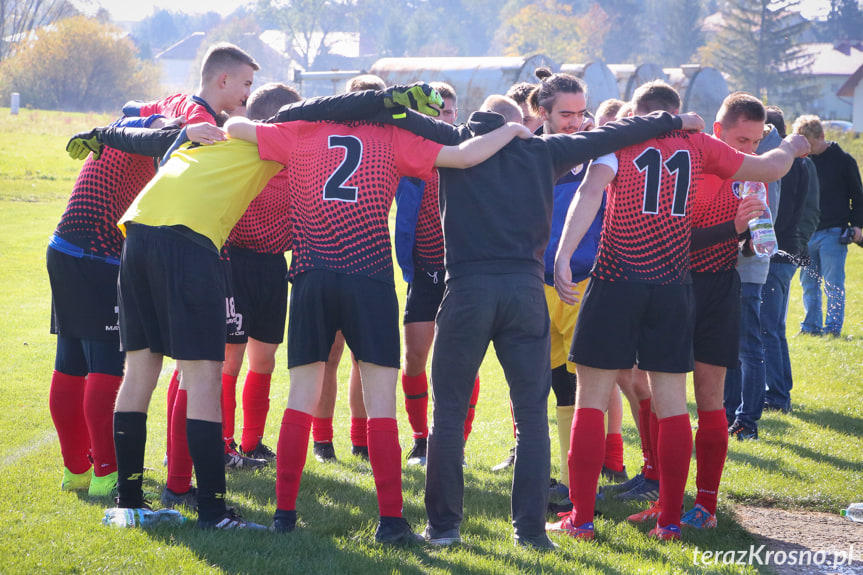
(480, 148)
(242, 129)
(749, 207)
(772, 165)
(580, 215)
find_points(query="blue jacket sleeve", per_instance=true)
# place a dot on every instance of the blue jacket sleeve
(409, 195)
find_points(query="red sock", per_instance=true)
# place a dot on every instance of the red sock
(471, 409)
(587, 444)
(416, 388)
(711, 447)
(644, 433)
(291, 457)
(385, 456)
(229, 406)
(179, 459)
(358, 431)
(66, 403)
(100, 395)
(256, 406)
(614, 451)
(322, 429)
(675, 451)
(652, 470)
(173, 386)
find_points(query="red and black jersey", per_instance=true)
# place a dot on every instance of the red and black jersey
(646, 231)
(716, 202)
(102, 193)
(192, 107)
(266, 226)
(343, 180)
(428, 249)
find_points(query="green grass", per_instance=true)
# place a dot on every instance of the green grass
(810, 459)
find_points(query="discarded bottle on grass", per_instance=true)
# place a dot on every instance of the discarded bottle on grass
(854, 512)
(116, 517)
(761, 228)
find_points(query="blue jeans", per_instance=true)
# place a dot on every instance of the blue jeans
(744, 385)
(828, 262)
(774, 309)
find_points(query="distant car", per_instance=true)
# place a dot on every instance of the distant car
(838, 125)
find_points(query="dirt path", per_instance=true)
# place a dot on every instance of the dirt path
(802, 535)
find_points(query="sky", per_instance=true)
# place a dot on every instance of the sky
(134, 10)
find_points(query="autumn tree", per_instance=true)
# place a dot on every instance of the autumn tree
(77, 64)
(19, 17)
(551, 28)
(309, 23)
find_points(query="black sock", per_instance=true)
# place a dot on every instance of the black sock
(208, 454)
(563, 385)
(130, 440)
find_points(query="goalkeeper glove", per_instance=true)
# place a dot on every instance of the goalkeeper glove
(83, 143)
(416, 96)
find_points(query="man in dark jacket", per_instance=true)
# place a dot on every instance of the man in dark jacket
(841, 213)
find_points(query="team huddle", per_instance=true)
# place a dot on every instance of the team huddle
(534, 226)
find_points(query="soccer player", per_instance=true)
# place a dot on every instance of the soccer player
(259, 277)
(641, 286)
(520, 93)
(345, 178)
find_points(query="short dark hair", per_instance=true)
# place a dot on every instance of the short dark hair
(264, 102)
(609, 107)
(445, 90)
(655, 96)
(365, 82)
(520, 92)
(550, 85)
(740, 106)
(225, 55)
(776, 117)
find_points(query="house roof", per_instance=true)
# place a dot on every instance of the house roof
(838, 60)
(847, 89)
(185, 49)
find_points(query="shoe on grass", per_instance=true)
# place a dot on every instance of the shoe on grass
(539, 542)
(396, 531)
(615, 476)
(670, 533)
(699, 518)
(172, 499)
(229, 520)
(417, 454)
(105, 486)
(506, 463)
(260, 451)
(565, 525)
(233, 460)
(284, 521)
(611, 491)
(441, 538)
(361, 451)
(75, 481)
(651, 512)
(324, 451)
(647, 490)
(742, 431)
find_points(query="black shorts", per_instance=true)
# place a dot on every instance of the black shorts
(717, 317)
(425, 293)
(259, 305)
(172, 296)
(621, 323)
(83, 297)
(365, 309)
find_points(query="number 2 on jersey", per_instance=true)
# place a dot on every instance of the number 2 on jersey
(678, 165)
(335, 188)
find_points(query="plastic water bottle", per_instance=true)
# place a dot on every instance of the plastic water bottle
(761, 228)
(854, 512)
(117, 517)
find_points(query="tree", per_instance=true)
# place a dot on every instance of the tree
(309, 23)
(758, 49)
(550, 28)
(78, 64)
(624, 43)
(18, 17)
(845, 20)
(681, 34)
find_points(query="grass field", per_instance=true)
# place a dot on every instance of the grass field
(811, 459)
